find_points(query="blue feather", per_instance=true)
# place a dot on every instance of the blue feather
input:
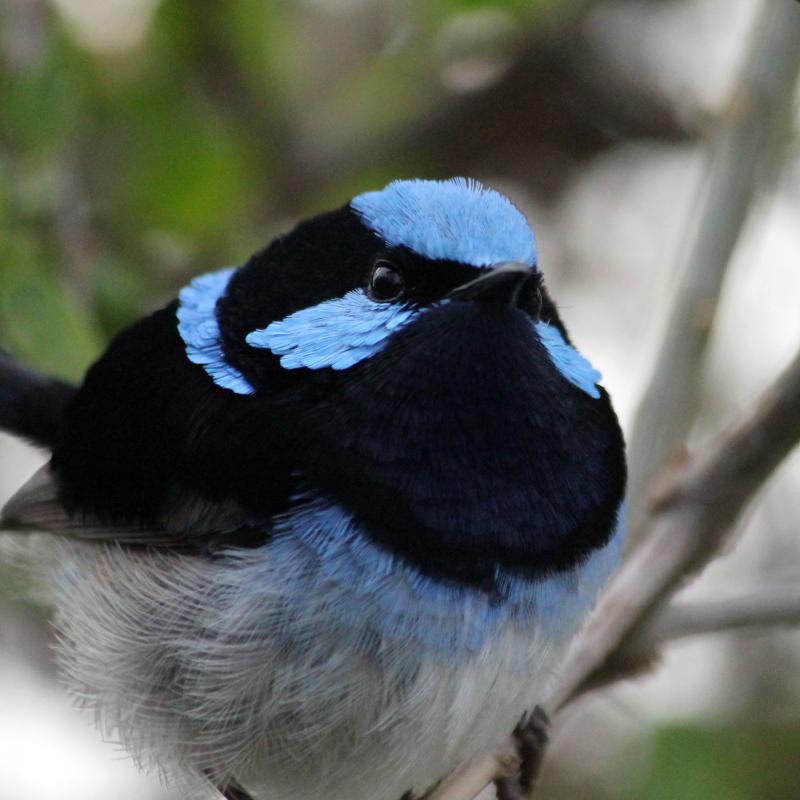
(569, 362)
(337, 333)
(377, 598)
(341, 332)
(457, 219)
(198, 327)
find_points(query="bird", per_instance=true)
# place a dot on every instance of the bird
(325, 524)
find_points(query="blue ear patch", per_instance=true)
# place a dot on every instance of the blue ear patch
(336, 333)
(459, 220)
(341, 332)
(198, 327)
(569, 362)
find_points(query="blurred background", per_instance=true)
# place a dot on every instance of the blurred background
(145, 141)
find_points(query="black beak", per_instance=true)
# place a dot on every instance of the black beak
(501, 285)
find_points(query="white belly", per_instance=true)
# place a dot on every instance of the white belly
(259, 668)
(443, 717)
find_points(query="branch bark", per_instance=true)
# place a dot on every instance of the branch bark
(746, 151)
(706, 497)
(765, 607)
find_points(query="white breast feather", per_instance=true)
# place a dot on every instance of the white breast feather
(201, 674)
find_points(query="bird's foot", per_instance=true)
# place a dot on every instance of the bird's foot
(233, 792)
(531, 738)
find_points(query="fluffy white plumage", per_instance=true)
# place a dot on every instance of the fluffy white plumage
(291, 716)
(202, 670)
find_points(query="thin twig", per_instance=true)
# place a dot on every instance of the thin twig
(705, 499)
(764, 607)
(747, 148)
(471, 779)
(767, 607)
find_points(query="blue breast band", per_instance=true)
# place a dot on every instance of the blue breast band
(375, 598)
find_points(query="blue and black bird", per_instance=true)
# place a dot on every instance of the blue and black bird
(324, 526)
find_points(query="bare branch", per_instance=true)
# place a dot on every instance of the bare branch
(469, 781)
(762, 608)
(765, 607)
(700, 499)
(706, 497)
(745, 153)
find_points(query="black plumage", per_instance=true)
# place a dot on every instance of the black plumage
(429, 442)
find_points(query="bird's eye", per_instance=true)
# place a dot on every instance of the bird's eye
(385, 282)
(530, 299)
(536, 303)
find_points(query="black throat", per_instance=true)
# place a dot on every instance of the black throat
(463, 449)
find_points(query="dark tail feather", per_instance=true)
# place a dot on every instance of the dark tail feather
(31, 404)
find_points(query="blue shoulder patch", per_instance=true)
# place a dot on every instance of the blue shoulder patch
(458, 219)
(337, 333)
(569, 362)
(198, 327)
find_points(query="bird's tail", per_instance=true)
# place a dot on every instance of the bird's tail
(31, 404)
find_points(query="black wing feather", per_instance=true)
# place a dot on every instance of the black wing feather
(32, 405)
(150, 452)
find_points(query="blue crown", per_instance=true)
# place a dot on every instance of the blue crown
(458, 220)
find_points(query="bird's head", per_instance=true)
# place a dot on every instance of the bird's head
(422, 377)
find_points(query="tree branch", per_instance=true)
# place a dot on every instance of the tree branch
(705, 498)
(765, 607)
(746, 151)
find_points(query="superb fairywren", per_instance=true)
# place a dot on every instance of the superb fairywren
(325, 524)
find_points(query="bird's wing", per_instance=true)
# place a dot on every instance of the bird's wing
(190, 523)
(31, 404)
(151, 451)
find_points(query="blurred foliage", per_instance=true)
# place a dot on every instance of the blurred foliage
(737, 759)
(123, 171)
(743, 761)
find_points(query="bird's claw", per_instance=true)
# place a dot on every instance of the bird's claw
(531, 738)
